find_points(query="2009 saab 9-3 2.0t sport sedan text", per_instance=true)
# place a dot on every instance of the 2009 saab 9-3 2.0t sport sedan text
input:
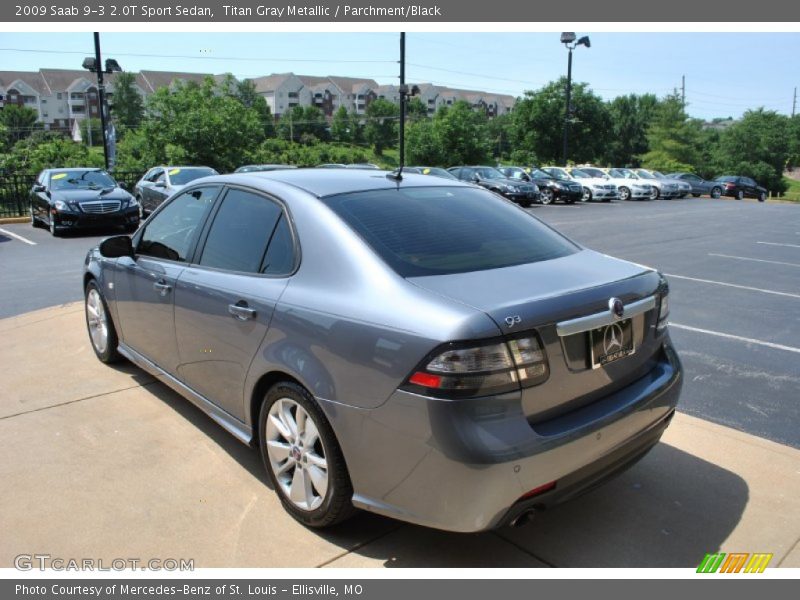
(412, 346)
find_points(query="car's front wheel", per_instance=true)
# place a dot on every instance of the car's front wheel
(762, 197)
(654, 193)
(303, 458)
(624, 193)
(53, 230)
(587, 195)
(34, 220)
(101, 329)
(740, 195)
(716, 192)
(546, 196)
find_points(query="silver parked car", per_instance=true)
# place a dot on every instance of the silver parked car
(417, 347)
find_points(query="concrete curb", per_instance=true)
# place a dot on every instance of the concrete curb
(8, 220)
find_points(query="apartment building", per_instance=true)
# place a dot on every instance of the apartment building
(63, 96)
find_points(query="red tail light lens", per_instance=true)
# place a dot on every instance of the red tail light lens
(464, 370)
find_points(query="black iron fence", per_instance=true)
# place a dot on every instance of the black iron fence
(15, 190)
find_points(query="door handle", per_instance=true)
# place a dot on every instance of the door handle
(162, 286)
(241, 311)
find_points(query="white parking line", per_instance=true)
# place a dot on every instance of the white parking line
(773, 262)
(733, 285)
(17, 237)
(738, 338)
(777, 244)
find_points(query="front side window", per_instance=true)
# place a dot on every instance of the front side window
(170, 234)
(242, 228)
(421, 231)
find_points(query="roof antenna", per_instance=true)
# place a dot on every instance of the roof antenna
(397, 175)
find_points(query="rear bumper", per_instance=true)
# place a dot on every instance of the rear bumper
(465, 465)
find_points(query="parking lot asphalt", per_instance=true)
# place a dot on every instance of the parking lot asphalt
(733, 267)
(108, 463)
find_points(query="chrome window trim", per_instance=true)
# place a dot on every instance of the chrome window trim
(604, 318)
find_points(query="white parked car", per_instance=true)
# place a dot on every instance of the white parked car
(670, 188)
(594, 188)
(628, 189)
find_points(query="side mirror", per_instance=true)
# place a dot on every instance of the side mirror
(160, 184)
(38, 188)
(116, 247)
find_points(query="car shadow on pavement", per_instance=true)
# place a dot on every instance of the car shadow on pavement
(667, 511)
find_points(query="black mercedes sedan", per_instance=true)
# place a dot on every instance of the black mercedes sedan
(82, 197)
(522, 193)
(741, 187)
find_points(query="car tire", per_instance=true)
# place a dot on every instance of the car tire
(624, 193)
(311, 460)
(34, 220)
(762, 197)
(655, 193)
(695, 195)
(587, 195)
(716, 192)
(141, 208)
(546, 197)
(740, 195)
(102, 333)
(53, 231)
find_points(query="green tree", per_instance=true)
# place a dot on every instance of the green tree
(245, 92)
(673, 139)
(302, 121)
(416, 110)
(127, 104)
(630, 118)
(381, 128)
(19, 122)
(45, 150)
(91, 132)
(340, 126)
(757, 146)
(462, 134)
(499, 133)
(539, 123)
(423, 146)
(197, 124)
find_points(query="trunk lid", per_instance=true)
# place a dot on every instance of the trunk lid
(539, 296)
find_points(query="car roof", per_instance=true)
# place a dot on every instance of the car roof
(76, 169)
(330, 182)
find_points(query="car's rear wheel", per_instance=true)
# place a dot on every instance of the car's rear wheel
(303, 458)
(101, 329)
(762, 197)
(624, 193)
(716, 192)
(740, 195)
(546, 196)
(587, 195)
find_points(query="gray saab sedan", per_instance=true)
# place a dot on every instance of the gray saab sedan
(411, 346)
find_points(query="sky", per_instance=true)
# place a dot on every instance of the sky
(726, 73)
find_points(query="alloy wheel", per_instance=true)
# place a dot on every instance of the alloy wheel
(98, 321)
(296, 454)
(587, 195)
(624, 193)
(546, 196)
(716, 192)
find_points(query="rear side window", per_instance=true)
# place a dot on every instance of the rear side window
(280, 254)
(242, 228)
(443, 230)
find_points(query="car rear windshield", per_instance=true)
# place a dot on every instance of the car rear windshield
(442, 230)
(183, 176)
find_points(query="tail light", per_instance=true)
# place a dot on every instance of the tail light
(466, 370)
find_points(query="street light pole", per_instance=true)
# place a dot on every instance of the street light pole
(101, 92)
(403, 93)
(568, 38)
(568, 108)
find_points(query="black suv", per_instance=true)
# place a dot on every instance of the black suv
(741, 187)
(521, 192)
